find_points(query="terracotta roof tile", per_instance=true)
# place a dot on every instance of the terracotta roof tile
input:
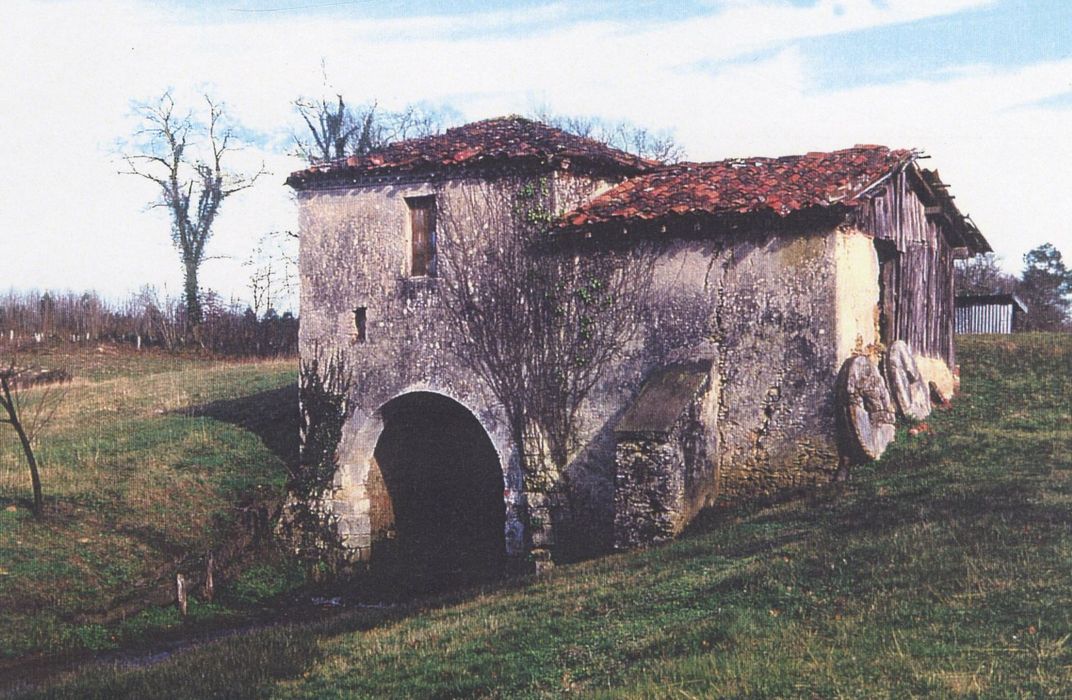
(492, 141)
(743, 186)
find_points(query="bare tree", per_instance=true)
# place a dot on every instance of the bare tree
(335, 129)
(29, 419)
(982, 274)
(414, 121)
(538, 321)
(624, 135)
(192, 186)
(273, 264)
(157, 316)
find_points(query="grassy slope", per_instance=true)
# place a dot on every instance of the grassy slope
(943, 570)
(133, 484)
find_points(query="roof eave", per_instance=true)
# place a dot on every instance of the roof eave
(348, 176)
(959, 225)
(702, 222)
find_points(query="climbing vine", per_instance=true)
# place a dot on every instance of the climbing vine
(539, 319)
(324, 386)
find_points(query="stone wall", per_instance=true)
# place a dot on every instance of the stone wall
(761, 306)
(354, 254)
(649, 502)
(662, 480)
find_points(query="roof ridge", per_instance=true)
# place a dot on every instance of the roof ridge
(496, 139)
(742, 185)
(686, 164)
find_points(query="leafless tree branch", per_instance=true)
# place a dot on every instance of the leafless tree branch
(624, 135)
(540, 323)
(192, 188)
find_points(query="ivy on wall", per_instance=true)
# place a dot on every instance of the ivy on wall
(324, 386)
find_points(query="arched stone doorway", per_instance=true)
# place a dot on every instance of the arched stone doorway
(436, 493)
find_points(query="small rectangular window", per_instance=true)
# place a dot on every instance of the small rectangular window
(360, 324)
(422, 236)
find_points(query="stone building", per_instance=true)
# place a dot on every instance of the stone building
(765, 276)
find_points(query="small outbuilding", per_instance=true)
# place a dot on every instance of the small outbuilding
(989, 313)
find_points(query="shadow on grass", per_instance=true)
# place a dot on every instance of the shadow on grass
(247, 662)
(270, 415)
(14, 503)
(251, 666)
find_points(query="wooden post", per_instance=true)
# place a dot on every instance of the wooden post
(180, 593)
(210, 586)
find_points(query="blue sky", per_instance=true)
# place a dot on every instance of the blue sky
(984, 86)
(1004, 34)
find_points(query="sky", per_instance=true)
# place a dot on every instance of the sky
(984, 87)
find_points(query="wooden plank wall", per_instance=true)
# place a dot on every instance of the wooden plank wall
(917, 278)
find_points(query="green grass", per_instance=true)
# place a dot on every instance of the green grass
(136, 483)
(944, 570)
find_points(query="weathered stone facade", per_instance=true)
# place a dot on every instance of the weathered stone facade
(663, 473)
(761, 307)
(353, 255)
(769, 310)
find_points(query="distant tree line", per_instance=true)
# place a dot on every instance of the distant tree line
(146, 318)
(1044, 285)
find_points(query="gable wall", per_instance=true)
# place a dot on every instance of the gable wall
(762, 307)
(918, 294)
(354, 254)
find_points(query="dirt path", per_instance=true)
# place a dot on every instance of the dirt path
(23, 675)
(19, 676)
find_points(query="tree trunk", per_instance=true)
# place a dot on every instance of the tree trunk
(35, 477)
(27, 448)
(193, 299)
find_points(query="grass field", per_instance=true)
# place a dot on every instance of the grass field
(146, 467)
(944, 570)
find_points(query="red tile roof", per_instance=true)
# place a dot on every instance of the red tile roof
(489, 142)
(741, 186)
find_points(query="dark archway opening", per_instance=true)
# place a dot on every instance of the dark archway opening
(443, 520)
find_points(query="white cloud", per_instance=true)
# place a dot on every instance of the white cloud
(733, 82)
